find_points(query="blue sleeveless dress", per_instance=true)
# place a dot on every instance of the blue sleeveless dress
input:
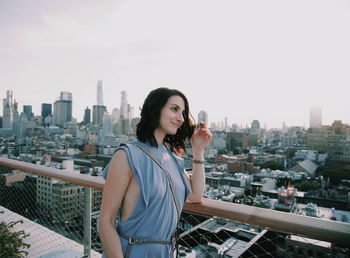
(154, 216)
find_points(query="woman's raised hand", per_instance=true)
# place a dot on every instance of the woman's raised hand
(201, 137)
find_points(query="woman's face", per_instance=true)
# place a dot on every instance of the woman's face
(172, 115)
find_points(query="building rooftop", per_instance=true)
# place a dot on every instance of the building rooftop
(44, 242)
(306, 166)
(224, 236)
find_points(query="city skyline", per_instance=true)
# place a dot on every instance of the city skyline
(218, 123)
(269, 61)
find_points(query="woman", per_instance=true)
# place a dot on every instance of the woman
(139, 191)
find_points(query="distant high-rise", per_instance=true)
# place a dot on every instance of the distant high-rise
(130, 112)
(124, 104)
(62, 110)
(15, 113)
(97, 114)
(124, 125)
(46, 109)
(115, 115)
(7, 110)
(213, 126)
(99, 93)
(203, 117)
(315, 117)
(255, 124)
(107, 125)
(66, 96)
(87, 116)
(254, 133)
(99, 109)
(133, 124)
(235, 128)
(27, 110)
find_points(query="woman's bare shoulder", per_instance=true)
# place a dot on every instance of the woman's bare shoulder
(120, 163)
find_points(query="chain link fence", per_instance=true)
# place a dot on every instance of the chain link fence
(53, 213)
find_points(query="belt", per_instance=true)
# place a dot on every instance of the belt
(138, 241)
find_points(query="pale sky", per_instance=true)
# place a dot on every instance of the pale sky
(245, 60)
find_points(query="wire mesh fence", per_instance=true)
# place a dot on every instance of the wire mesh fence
(53, 213)
(52, 209)
(204, 236)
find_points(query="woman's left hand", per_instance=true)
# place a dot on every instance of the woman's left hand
(201, 137)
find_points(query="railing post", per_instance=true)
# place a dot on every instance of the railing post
(87, 221)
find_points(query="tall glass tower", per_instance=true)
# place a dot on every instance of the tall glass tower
(63, 109)
(99, 93)
(124, 105)
(46, 109)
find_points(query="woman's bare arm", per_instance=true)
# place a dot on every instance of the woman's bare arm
(117, 181)
(199, 140)
(197, 180)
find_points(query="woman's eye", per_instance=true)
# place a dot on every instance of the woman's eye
(174, 108)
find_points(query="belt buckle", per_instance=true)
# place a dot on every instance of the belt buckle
(133, 241)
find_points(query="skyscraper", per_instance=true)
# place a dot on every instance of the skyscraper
(107, 125)
(124, 105)
(99, 93)
(99, 109)
(97, 114)
(203, 117)
(7, 110)
(15, 115)
(315, 117)
(63, 109)
(87, 116)
(255, 124)
(115, 115)
(46, 109)
(27, 110)
(130, 112)
(66, 96)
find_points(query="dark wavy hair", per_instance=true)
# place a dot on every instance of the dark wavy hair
(150, 118)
